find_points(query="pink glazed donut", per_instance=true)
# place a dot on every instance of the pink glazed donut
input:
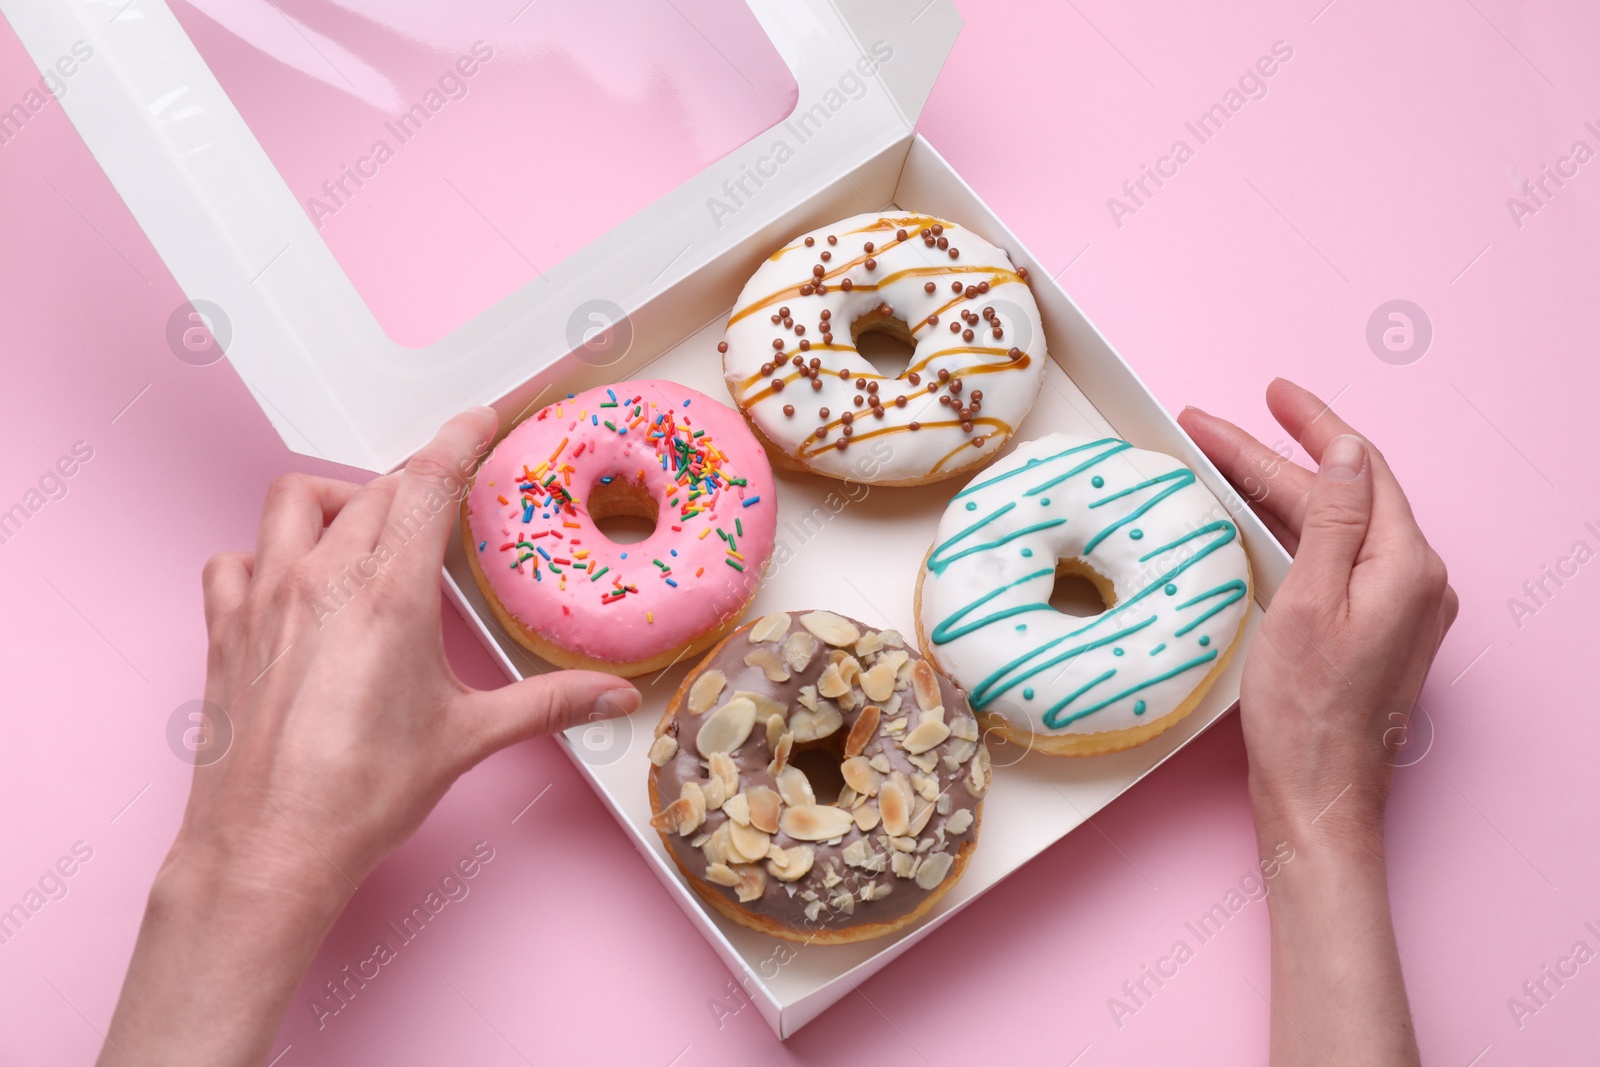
(651, 449)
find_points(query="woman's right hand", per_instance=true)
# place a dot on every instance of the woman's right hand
(1340, 659)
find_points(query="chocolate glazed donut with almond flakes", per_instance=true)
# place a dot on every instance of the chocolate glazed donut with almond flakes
(782, 714)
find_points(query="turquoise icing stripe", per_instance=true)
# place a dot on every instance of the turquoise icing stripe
(949, 629)
(937, 562)
(1055, 721)
(1234, 590)
(1034, 464)
(988, 689)
(1183, 476)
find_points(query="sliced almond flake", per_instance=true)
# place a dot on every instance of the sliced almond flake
(832, 628)
(927, 788)
(926, 685)
(919, 821)
(797, 863)
(780, 754)
(764, 806)
(927, 734)
(943, 804)
(725, 773)
(894, 799)
(832, 684)
(699, 840)
(891, 707)
(775, 730)
(749, 844)
(857, 853)
(933, 869)
(770, 662)
(979, 776)
(892, 638)
(960, 748)
(905, 864)
(965, 728)
(752, 883)
(862, 730)
(663, 749)
(849, 667)
(815, 822)
(933, 715)
(895, 727)
(880, 763)
(959, 822)
(808, 725)
(799, 650)
(770, 627)
(722, 874)
(794, 788)
(878, 683)
(813, 909)
(859, 775)
(831, 878)
(808, 697)
(766, 707)
(684, 814)
(926, 762)
(726, 728)
(867, 818)
(847, 798)
(903, 844)
(705, 690)
(870, 642)
(718, 850)
(737, 808)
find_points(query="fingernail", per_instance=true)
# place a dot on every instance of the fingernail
(1190, 408)
(1344, 457)
(614, 703)
(490, 412)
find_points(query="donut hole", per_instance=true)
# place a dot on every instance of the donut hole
(624, 512)
(885, 342)
(1081, 591)
(820, 760)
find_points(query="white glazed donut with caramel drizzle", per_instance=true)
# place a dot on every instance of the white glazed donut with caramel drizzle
(791, 364)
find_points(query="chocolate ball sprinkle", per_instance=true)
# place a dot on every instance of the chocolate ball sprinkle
(998, 333)
(977, 394)
(878, 412)
(867, 247)
(816, 385)
(847, 285)
(826, 255)
(832, 240)
(899, 235)
(815, 362)
(805, 346)
(944, 375)
(945, 400)
(857, 401)
(822, 413)
(929, 287)
(900, 401)
(914, 378)
(955, 252)
(826, 315)
(955, 327)
(777, 342)
(955, 287)
(777, 385)
(841, 443)
(1022, 272)
(966, 427)
(915, 425)
(942, 242)
(766, 369)
(788, 409)
(823, 288)
(1015, 353)
(938, 228)
(799, 331)
(966, 335)
(983, 287)
(861, 383)
(847, 418)
(722, 346)
(818, 271)
(810, 241)
(844, 374)
(872, 387)
(847, 429)
(777, 319)
(798, 360)
(933, 320)
(870, 264)
(926, 232)
(805, 290)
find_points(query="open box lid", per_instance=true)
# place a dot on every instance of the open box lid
(255, 265)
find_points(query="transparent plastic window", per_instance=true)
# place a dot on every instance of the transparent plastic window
(450, 153)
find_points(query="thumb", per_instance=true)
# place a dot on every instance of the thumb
(542, 705)
(1338, 512)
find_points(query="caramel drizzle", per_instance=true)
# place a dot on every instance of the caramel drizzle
(910, 223)
(806, 451)
(927, 389)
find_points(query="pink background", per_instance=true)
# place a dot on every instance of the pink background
(1378, 166)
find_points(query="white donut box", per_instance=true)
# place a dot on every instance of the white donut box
(335, 386)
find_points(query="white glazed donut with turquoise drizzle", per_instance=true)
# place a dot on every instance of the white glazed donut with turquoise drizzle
(1144, 524)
